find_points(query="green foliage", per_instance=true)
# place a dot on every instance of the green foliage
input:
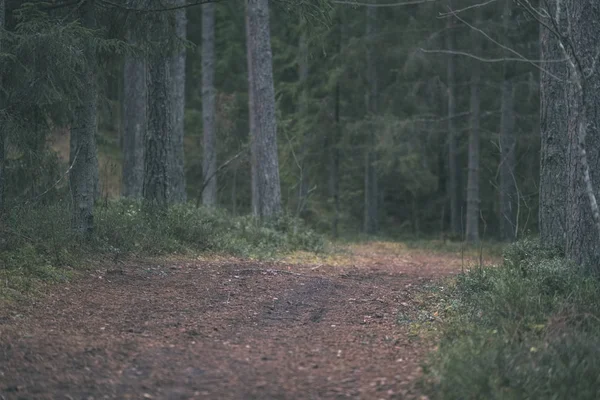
(124, 226)
(528, 329)
(37, 242)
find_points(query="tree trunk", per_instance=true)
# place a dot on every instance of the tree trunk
(156, 166)
(252, 117)
(554, 140)
(134, 123)
(262, 109)
(303, 113)
(209, 148)
(234, 191)
(83, 177)
(176, 154)
(370, 222)
(334, 137)
(472, 220)
(582, 103)
(454, 192)
(2, 118)
(334, 163)
(453, 170)
(508, 189)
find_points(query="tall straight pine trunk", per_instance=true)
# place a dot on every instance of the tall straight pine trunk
(266, 189)
(83, 177)
(159, 112)
(472, 220)
(303, 69)
(2, 118)
(134, 121)
(554, 139)
(177, 193)
(371, 191)
(454, 191)
(209, 148)
(335, 135)
(508, 188)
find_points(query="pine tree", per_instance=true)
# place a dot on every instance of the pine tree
(209, 159)
(266, 186)
(83, 152)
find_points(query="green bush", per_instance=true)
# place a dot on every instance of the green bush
(37, 243)
(528, 329)
(125, 226)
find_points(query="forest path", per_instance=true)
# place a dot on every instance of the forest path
(226, 329)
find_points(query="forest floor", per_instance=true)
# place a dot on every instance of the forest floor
(305, 327)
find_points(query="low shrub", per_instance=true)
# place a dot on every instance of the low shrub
(527, 329)
(37, 243)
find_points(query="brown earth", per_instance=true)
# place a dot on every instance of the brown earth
(224, 329)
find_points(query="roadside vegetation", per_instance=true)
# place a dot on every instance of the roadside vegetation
(528, 328)
(38, 244)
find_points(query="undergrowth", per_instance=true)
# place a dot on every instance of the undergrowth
(527, 329)
(36, 244)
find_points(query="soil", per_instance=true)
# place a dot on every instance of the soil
(223, 329)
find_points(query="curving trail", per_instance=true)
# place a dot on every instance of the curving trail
(224, 329)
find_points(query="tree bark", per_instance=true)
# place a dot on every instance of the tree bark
(334, 137)
(176, 154)
(134, 122)
(83, 177)
(583, 102)
(554, 139)
(334, 163)
(508, 189)
(252, 117)
(472, 219)
(209, 160)
(303, 68)
(371, 220)
(266, 182)
(2, 118)
(159, 130)
(453, 170)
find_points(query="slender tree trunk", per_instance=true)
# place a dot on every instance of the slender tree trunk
(252, 117)
(134, 123)
(176, 154)
(334, 163)
(83, 177)
(303, 112)
(554, 139)
(234, 191)
(582, 104)
(159, 130)
(453, 170)
(209, 160)
(370, 222)
(333, 142)
(264, 140)
(2, 118)
(508, 189)
(472, 220)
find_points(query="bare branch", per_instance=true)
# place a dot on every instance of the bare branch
(399, 4)
(454, 12)
(162, 9)
(221, 167)
(522, 57)
(488, 60)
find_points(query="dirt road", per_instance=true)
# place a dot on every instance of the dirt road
(225, 329)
